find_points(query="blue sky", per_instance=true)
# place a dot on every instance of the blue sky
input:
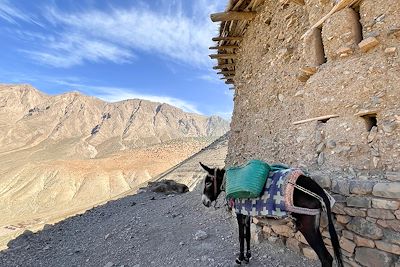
(155, 50)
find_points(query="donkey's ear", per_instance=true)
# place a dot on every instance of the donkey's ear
(209, 170)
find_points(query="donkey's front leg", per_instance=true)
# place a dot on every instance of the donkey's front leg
(241, 225)
(248, 237)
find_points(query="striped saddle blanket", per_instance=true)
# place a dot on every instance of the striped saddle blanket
(276, 199)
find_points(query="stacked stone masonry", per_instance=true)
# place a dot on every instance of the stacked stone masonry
(355, 155)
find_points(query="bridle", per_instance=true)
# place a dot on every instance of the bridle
(214, 181)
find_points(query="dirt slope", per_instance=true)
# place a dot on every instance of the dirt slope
(147, 229)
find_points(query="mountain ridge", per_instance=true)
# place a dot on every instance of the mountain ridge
(127, 123)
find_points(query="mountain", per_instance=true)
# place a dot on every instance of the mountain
(90, 126)
(63, 154)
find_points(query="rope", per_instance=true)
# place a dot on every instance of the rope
(311, 194)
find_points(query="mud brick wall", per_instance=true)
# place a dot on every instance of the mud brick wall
(349, 68)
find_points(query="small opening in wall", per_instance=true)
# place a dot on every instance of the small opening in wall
(358, 26)
(323, 121)
(370, 121)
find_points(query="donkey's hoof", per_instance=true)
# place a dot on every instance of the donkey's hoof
(238, 261)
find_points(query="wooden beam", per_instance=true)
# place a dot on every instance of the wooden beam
(230, 77)
(228, 72)
(223, 66)
(224, 47)
(321, 118)
(223, 56)
(228, 38)
(232, 15)
(299, 2)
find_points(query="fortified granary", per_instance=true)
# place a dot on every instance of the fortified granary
(317, 86)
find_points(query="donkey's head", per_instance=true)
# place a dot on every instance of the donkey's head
(212, 184)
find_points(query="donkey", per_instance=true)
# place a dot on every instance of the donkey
(308, 225)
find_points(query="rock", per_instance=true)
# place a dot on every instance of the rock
(355, 212)
(373, 258)
(361, 187)
(256, 233)
(293, 244)
(393, 176)
(391, 236)
(372, 134)
(200, 235)
(343, 219)
(338, 208)
(106, 236)
(379, 203)
(283, 230)
(363, 242)
(320, 147)
(360, 202)
(367, 44)
(321, 158)
(390, 50)
(397, 214)
(299, 236)
(365, 228)
(331, 144)
(388, 247)
(109, 264)
(387, 190)
(323, 180)
(388, 126)
(392, 224)
(309, 253)
(344, 51)
(341, 187)
(381, 214)
(347, 245)
(347, 234)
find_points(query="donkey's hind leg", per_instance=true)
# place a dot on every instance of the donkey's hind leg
(309, 227)
(248, 238)
(241, 225)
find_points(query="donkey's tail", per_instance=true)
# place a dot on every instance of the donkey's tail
(332, 230)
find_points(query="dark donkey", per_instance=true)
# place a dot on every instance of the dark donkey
(308, 225)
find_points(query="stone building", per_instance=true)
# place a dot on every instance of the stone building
(317, 85)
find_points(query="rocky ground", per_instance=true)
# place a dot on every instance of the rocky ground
(147, 229)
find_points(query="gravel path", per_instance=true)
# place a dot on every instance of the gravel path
(147, 229)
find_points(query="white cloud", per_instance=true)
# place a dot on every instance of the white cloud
(13, 15)
(75, 49)
(114, 94)
(175, 30)
(172, 33)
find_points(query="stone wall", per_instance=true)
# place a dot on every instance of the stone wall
(350, 68)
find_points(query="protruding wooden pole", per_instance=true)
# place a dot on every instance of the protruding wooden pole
(227, 38)
(321, 118)
(223, 66)
(232, 15)
(228, 72)
(223, 56)
(221, 47)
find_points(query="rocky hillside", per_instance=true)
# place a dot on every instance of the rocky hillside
(91, 127)
(149, 229)
(61, 155)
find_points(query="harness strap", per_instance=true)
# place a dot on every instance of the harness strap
(311, 194)
(214, 178)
